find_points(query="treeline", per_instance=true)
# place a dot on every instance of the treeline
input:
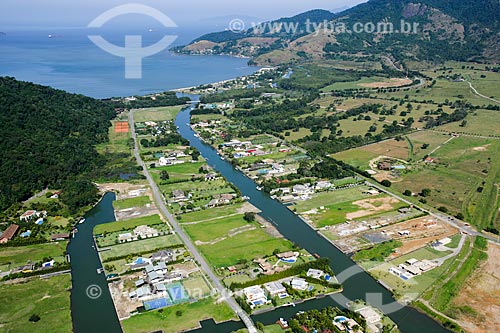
(47, 139)
(168, 98)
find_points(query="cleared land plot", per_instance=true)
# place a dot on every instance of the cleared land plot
(117, 143)
(156, 114)
(358, 205)
(178, 171)
(141, 246)
(169, 321)
(49, 298)
(212, 213)
(127, 224)
(367, 82)
(227, 241)
(21, 255)
(196, 287)
(132, 202)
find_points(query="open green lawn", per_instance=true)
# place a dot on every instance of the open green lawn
(245, 246)
(211, 213)
(156, 114)
(329, 198)
(48, 298)
(131, 202)
(169, 321)
(118, 143)
(178, 171)
(127, 224)
(356, 157)
(225, 245)
(17, 256)
(196, 287)
(481, 122)
(144, 245)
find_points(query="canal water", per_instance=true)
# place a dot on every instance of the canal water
(92, 308)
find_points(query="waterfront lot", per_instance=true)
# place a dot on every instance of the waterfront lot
(48, 298)
(142, 246)
(127, 225)
(331, 208)
(132, 202)
(169, 320)
(12, 257)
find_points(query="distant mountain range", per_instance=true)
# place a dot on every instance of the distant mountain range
(445, 30)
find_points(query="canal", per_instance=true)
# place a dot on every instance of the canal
(357, 283)
(97, 314)
(92, 308)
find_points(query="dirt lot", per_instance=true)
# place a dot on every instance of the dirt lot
(122, 189)
(394, 82)
(372, 206)
(119, 292)
(482, 293)
(422, 231)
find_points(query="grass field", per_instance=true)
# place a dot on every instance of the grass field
(127, 224)
(228, 240)
(118, 143)
(178, 171)
(144, 245)
(132, 202)
(196, 287)
(156, 114)
(418, 284)
(18, 256)
(329, 198)
(481, 122)
(48, 298)
(168, 321)
(210, 213)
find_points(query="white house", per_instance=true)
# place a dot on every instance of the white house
(315, 273)
(299, 284)
(276, 289)
(255, 295)
(302, 190)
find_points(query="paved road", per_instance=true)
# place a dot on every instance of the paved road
(160, 201)
(453, 221)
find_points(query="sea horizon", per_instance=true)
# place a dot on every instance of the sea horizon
(66, 59)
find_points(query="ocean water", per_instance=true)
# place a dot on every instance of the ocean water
(70, 61)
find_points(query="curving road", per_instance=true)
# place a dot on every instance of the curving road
(160, 201)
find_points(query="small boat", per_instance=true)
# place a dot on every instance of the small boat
(317, 256)
(82, 220)
(259, 188)
(245, 197)
(222, 158)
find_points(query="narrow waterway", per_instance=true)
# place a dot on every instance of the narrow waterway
(357, 283)
(92, 308)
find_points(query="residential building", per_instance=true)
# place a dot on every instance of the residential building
(178, 195)
(255, 296)
(9, 233)
(315, 273)
(163, 255)
(276, 289)
(299, 284)
(369, 314)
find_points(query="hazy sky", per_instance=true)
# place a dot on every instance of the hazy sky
(59, 13)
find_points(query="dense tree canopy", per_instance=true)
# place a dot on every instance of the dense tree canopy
(47, 137)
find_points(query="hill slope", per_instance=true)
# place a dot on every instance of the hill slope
(445, 30)
(47, 137)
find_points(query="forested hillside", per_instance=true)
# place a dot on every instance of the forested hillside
(47, 139)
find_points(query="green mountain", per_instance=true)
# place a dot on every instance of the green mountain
(404, 29)
(47, 139)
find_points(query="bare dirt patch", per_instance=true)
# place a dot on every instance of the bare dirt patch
(481, 148)
(122, 189)
(423, 230)
(372, 206)
(391, 83)
(482, 293)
